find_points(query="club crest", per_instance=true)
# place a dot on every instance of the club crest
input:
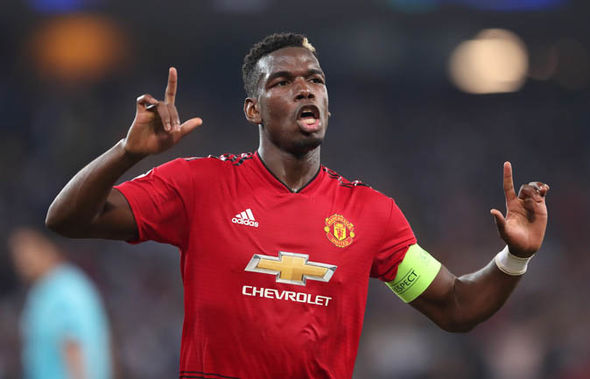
(339, 230)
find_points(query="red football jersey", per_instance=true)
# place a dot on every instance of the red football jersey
(275, 281)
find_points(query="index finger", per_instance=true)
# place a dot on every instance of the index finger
(508, 182)
(171, 87)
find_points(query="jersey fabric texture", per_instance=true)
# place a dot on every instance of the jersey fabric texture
(62, 306)
(275, 281)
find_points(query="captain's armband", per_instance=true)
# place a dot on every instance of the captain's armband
(414, 274)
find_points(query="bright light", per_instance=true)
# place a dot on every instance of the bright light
(78, 47)
(495, 61)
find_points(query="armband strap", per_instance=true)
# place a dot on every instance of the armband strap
(414, 274)
(511, 264)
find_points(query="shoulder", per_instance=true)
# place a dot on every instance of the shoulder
(66, 285)
(342, 181)
(371, 199)
(187, 167)
(73, 281)
(224, 161)
(355, 186)
(235, 160)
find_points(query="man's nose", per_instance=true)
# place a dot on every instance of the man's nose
(303, 90)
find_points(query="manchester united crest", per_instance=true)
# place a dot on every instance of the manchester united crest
(339, 230)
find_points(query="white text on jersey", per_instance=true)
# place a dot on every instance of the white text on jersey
(298, 297)
(245, 218)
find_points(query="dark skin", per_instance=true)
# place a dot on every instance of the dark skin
(88, 206)
(289, 79)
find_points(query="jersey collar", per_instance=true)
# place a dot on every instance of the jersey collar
(279, 185)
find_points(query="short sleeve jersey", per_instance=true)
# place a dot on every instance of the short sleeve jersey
(64, 306)
(275, 281)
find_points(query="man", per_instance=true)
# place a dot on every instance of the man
(65, 329)
(277, 250)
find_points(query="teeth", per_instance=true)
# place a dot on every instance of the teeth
(307, 112)
(309, 121)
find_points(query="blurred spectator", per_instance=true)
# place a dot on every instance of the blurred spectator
(64, 327)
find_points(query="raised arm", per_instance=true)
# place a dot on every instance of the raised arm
(457, 304)
(88, 206)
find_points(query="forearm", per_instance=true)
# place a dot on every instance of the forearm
(478, 295)
(457, 304)
(84, 198)
(88, 206)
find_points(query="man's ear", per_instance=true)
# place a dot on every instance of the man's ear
(251, 111)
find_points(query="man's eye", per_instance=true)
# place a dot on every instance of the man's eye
(282, 83)
(317, 81)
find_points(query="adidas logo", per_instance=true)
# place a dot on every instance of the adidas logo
(245, 218)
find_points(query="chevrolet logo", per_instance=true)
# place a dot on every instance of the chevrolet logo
(291, 268)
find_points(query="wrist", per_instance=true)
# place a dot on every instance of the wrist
(511, 264)
(130, 155)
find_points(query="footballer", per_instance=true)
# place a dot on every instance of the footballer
(277, 249)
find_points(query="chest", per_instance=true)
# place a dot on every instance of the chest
(294, 234)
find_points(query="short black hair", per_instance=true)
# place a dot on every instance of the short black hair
(266, 46)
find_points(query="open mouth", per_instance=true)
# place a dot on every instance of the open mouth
(308, 117)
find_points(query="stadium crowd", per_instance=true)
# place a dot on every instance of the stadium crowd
(402, 129)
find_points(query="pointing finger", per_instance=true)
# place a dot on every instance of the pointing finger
(171, 87)
(508, 182)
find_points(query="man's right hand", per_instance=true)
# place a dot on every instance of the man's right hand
(157, 126)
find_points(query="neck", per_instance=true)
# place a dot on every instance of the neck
(295, 171)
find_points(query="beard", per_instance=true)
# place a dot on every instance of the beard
(304, 145)
(296, 143)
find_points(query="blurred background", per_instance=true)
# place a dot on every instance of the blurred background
(429, 98)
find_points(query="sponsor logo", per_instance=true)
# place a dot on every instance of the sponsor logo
(245, 218)
(339, 230)
(298, 297)
(291, 268)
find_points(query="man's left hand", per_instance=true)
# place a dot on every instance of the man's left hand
(524, 226)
